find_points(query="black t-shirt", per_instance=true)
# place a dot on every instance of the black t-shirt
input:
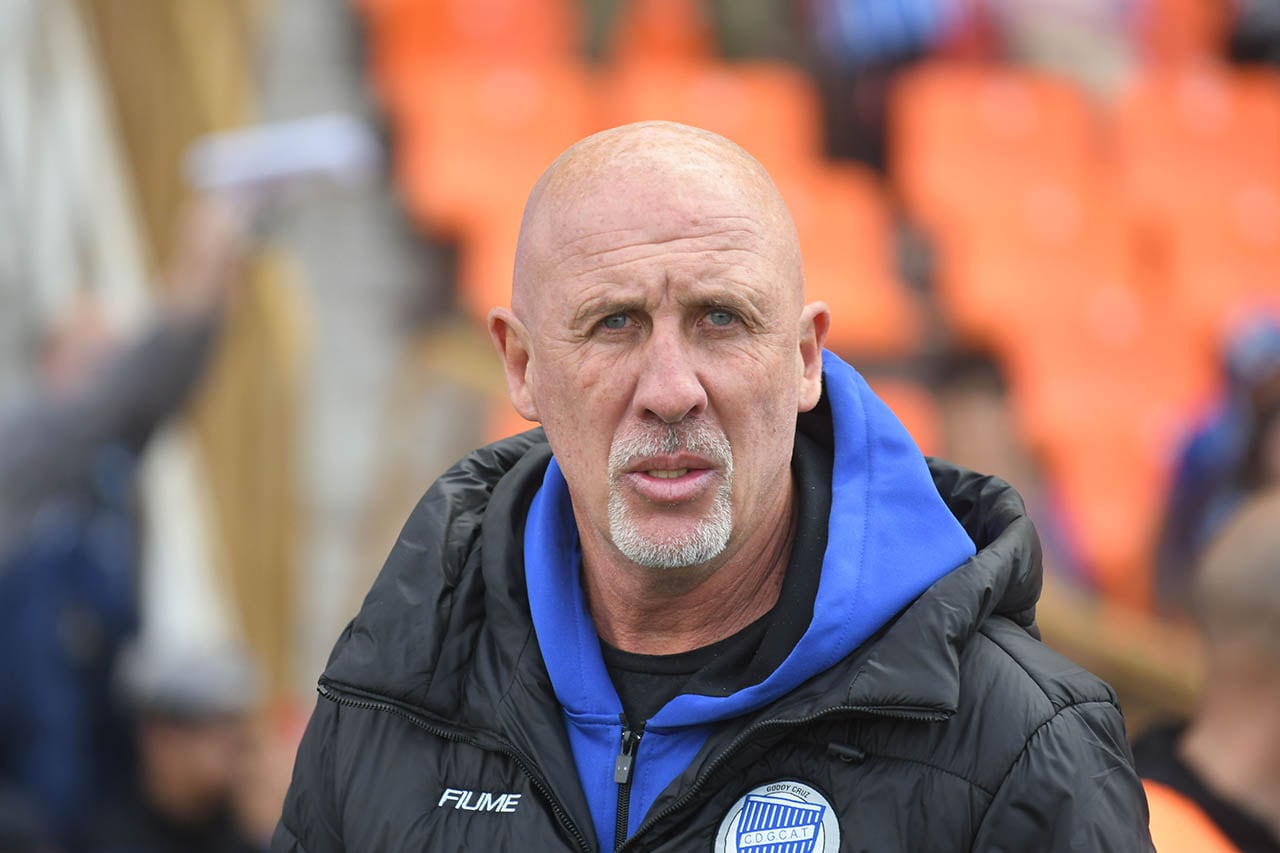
(647, 682)
(1156, 756)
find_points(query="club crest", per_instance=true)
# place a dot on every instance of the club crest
(781, 817)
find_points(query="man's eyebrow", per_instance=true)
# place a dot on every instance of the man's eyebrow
(603, 306)
(719, 299)
(732, 299)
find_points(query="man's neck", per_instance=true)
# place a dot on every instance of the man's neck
(1234, 747)
(668, 611)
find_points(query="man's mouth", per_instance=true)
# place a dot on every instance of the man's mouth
(667, 473)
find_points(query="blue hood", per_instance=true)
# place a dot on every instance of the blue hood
(890, 536)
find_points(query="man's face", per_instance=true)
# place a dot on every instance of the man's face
(665, 361)
(192, 762)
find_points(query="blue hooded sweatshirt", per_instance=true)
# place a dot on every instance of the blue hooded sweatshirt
(890, 536)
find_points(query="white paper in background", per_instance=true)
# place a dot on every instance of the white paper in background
(280, 156)
(183, 602)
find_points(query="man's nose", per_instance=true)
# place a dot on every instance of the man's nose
(669, 386)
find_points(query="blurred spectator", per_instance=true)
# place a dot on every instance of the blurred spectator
(1234, 452)
(98, 392)
(23, 827)
(1224, 765)
(859, 34)
(192, 726)
(266, 773)
(1255, 33)
(1091, 41)
(68, 537)
(744, 28)
(979, 431)
(859, 46)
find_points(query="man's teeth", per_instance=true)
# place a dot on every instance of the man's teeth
(667, 474)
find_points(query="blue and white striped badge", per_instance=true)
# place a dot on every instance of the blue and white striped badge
(781, 817)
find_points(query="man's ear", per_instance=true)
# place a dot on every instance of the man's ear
(815, 320)
(512, 341)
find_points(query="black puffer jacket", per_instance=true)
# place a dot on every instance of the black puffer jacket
(953, 729)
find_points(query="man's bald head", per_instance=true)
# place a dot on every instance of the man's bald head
(659, 335)
(1237, 588)
(664, 160)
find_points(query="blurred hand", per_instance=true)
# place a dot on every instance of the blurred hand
(208, 261)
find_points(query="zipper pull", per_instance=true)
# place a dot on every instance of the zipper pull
(625, 761)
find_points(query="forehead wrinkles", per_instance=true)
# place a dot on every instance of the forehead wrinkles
(725, 239)
(657, 170)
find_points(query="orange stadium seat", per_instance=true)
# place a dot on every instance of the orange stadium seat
(769, 108)
(1075, 318)
(1111, 497)
(662, 30)
(1108, 452)
(403, 34)
(1175, 32)
(475, 137)
(961, 135)
(1112, 356)
(846, 240)
(1207, 125)
(1179, 825)
(486, 259)
(1102, 391)
(1010, 267)
(1225, 257)
(1102, 376)
(1208, 237)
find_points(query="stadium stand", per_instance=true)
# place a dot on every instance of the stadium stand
(402, 35)
(1056, 236)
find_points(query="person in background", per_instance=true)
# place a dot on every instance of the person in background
(97, 390)
(980, 432)
(1214, 782)
(858, 47)
(264, 775)
(23, 829)
(68, 519)
(1089, 41)
(190, 711)
(1231, 454)
(1255, 32)
(744, 29)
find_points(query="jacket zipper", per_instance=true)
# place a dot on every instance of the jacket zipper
(695, 789)
(373, 702)
(624, 766)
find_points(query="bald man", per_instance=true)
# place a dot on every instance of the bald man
(1223, 766)
(719, 601)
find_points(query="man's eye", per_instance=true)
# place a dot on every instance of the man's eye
(614, 322)
(720, 317)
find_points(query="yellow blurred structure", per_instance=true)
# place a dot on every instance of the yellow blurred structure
(178, 71)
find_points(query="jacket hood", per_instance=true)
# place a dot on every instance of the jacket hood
(889, 537)
(1002, 579)
(447, 625)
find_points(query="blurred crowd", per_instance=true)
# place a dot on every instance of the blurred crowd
(111, 738)
(114, 740)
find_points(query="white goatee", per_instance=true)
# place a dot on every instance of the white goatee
(709, 536)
